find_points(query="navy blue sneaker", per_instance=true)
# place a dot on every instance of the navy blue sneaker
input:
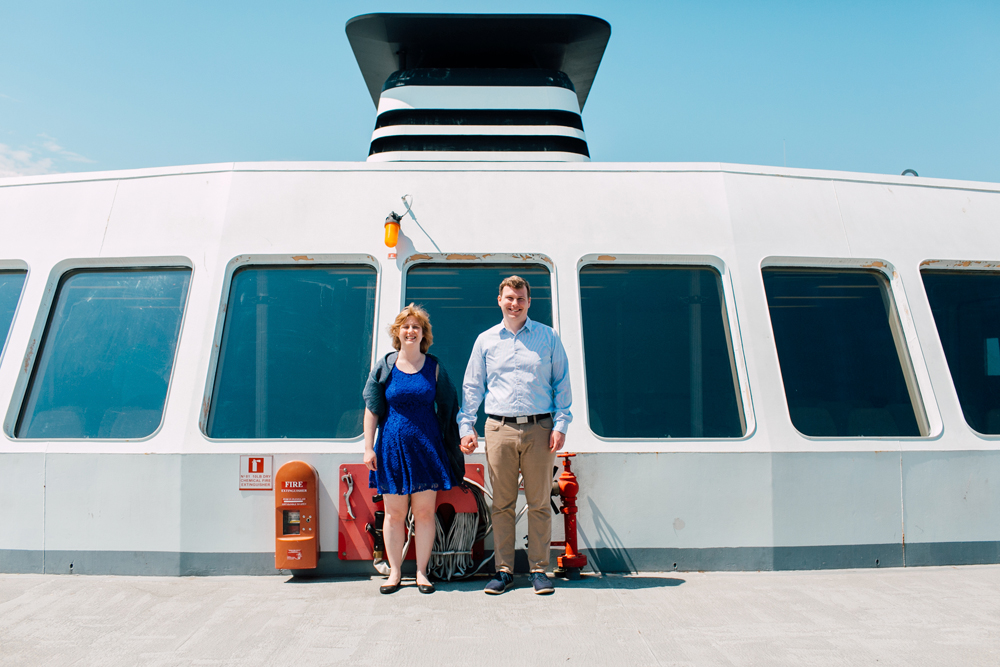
(541, 584)
(499, 583)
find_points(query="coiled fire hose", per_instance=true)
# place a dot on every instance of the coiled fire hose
(451, 557)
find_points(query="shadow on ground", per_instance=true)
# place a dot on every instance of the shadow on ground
(619, 581)
(616, 581)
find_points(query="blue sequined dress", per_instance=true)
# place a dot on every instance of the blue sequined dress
(410, 454)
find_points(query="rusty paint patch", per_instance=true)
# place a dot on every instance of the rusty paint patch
(456, 257)
(875, 265)
(27, 357)
(961, 264)
(414, 258)
(606, 258)
(206, 405)
(300, 258)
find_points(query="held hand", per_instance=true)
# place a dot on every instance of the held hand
(370, 462)
(556, 441)
(469, 443)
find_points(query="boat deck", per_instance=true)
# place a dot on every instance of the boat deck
(912, 616)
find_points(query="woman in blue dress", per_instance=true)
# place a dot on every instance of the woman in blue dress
(412, 403)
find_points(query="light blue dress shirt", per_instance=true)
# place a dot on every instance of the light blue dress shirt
(526, 373)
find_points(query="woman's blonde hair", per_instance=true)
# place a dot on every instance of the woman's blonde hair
(413, 310)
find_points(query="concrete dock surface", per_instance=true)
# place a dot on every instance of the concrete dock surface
(912, 616)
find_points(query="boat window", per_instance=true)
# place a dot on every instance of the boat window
(966, 307)
(658, 356)
(843, 356)
(295, 353)
(106, 355)
(11, 284)
(461, 300)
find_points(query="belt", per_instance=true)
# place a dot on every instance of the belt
(532, 419)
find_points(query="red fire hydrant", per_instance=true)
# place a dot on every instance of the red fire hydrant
(569, 564)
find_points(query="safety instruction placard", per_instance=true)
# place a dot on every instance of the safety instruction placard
(293, 492)
(255, 473)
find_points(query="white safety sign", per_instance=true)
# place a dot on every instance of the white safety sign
(255, 473)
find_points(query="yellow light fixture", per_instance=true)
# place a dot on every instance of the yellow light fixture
(392, 229)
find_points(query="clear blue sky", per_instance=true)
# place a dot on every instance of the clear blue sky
(856, 86)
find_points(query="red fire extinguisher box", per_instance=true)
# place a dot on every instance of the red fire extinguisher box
(296, 519)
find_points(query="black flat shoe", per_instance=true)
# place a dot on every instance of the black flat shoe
(389, 588)
(429, 588)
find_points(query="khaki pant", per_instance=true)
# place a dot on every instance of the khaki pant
(511, 447)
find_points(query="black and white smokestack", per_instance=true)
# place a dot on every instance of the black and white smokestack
(478, 87)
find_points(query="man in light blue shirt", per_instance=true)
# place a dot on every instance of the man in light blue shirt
(520, 367)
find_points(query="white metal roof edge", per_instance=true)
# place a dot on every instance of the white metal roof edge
(430, 166)
(85, 176)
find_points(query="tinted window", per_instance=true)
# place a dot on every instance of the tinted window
(105, 358)
(843, 360)
(966, 307)
(461, 300)
(296, 351)
(658, 359)
(11, 283)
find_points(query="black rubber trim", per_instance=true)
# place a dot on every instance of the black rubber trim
(555, 117)
(480, 143)
(443, 76)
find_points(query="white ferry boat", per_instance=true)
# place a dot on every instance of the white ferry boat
(772, 368)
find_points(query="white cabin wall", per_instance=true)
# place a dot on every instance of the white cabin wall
(684, 500)
(187, 220)
(218, 518)
(947, 493)
(831, 498)
(22, 501)
(42, 225)
(917, 225)
(823, 491)
(775, 217)
(950, 505)
(651, 502)
(112, 503)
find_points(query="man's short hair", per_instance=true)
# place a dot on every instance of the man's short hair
(413, 310)
(515, 283)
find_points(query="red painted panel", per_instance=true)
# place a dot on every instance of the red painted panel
(354, 542)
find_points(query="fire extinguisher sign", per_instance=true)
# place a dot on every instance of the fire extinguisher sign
(255, 473)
